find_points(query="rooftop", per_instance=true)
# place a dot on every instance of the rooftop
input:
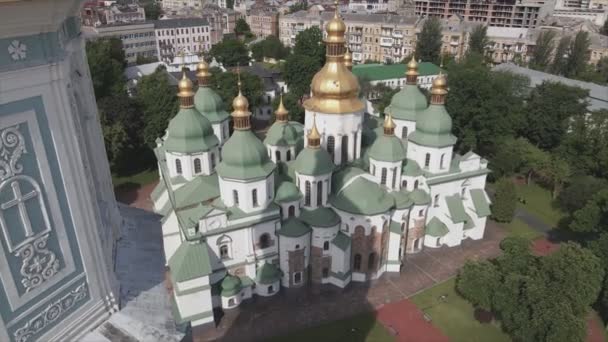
(378, 72)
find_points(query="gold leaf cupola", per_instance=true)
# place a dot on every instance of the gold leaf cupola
(202, 73)
(335, 90)
(389, 125)
(348, 59)
(314, 138)
(411, 75)
(185, 92)
(240, 110)
(281, 113)
(439, 90)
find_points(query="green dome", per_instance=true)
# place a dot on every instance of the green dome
(433, 128)
(420, 197)
(282, 134)
(436, 228)
(287, 192)
(387, 148)
(231, 285)
(402, 199)
(189, 132)
(244, 157)
(407, 103)
(314, 162)
(411, 169)
(210, 104)
(268, 274)
(293, 227)
(363, 197)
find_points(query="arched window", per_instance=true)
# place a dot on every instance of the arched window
(224, 252)
(178, 166)
(254, 197)
(394, 178)
(438, 242)
(330, 145)
(436, 201)
(371, 261)
(291, 211)
(441, 161)
(416, 184)
(264, 241)
(235, 197)
(404, 132)
(307, 193)
(427, 160)
(463, 193)
(355, 147)
(421, 212)
(288, 155)
(383, 176)
(404, 184)
(319, 193)
(197, 165)
(277, 155)
(326, 245)
(357, 262)
(373, 169)
(212, 161)
(359, 230)
(344, 152)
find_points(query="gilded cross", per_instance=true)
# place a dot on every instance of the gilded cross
(19, 201)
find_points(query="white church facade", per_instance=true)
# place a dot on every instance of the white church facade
(343, 198)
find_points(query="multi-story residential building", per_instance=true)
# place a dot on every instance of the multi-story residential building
(371, 36)
(138, 39)
(221, 20)
(170, 5)
(596, 15)
(560, 4)
(181, 35)
(455, 34)
(263, 21)
(94, 15)
(372, 6)
(510, 44)
(502, 13)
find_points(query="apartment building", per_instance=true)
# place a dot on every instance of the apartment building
(371, 36)
(511, 44)
(595, 15)
(138, 39)
(372, 6)
(181, 35)
(170, 5)
(94, 15)
(221, 20)
(263, 21)
(501, 13)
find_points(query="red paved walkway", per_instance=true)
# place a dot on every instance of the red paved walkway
(407, 323)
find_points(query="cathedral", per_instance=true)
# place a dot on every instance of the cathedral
(343, 198)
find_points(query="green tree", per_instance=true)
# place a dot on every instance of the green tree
(298, 73)
(579, 191)
(541, 56)
(310, 43)
(550, 107)
(428, 43)
(560, 58)
(106, 62)
(230, 52)
(270, 47)
(593, 216)
(300, 6)
(386, 95)
(478, 40)
(241, 27)
(556, 174)
(226, 85)
(158, 103)
(293, 105)
(477, 281)
(230, 4)
(505, 201)
(578, 54)
(152, 9)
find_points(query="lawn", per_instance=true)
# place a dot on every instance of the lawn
(519, 228)
(454, 316)
(365, 325)
(141, 178)
(539, 203)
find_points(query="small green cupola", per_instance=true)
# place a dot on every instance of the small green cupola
(207, 101)
(189, 131)
(434, 125)
(387, 147)
(282, 133)
(314, 160)
(409, 101)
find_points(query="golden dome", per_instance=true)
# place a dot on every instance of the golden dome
(440, 85)
(202, 69)
(412, 67)
(185, 86)
(281, 112)
(314, 138)
(388, 121)
(335, 28)
(348, 59)
(240, 105)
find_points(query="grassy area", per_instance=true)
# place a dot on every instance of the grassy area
(539, 203)
(455, 316)
(519, 228)
(367, 329)
(141, 178)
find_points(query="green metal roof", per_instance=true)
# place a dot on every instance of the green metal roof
(407, 103)
(411, 169)
(200, 189)
(293, 227)
(287, 192)
(231, 285)
(395, 227)
(314, 162)
(210, 104)
(340, 178)
(379, 72)
(454, 176)
(342, 241)
(456, 208)
(282, 134)
(190, 260)
(436, 228)
(320, 217)
(433, 128)
(402, 199)
(244, 157)
(188, 132)
(480, 202)
(268, 274)
(420, 197)
(469, 224)
(363, 197)
(191, 216)
(388, 148)
(158, 190)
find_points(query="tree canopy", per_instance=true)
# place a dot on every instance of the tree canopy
(478, 40)
(241, 27)
(106, 61)
(541, 56)
(428, 44)
(307, 58)
(230, 52)
(270, 47)
(505, 201)
(226, 86)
